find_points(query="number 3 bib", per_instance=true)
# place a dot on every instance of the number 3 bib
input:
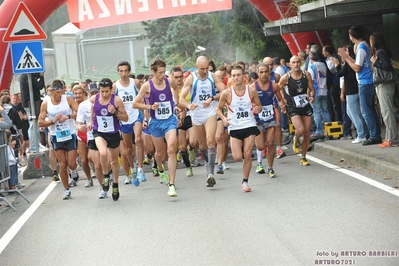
(105, 124)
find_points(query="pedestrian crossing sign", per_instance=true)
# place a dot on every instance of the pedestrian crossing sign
(27, 57)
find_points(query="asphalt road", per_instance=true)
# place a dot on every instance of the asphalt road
(306, 216)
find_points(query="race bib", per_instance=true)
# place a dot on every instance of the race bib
(105, 124)
(127, 98)
(267, 113)
(62, 132)
(204, 95)
(242, 115)
(164, 111)
(300, 100)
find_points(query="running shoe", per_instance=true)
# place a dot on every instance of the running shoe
(358, 140)
(146, 161)
(115, 193)
(127, 180)
(280, 153)
(155, 172)
(136, 181)
(387, 144)
(72, 183)
(219, 169)
(89, 182)
(260, 169)
(245, 187)
(163, 178)
(303, 161)
(20, 186)
(271, 173)
(103, 194)
(189, 171)
(172, 191)
(106, 183)
(67, 195)
(75, 175)
(225, 166)
(141, 176)
(55, 176)
(295, 146)
(210, 181)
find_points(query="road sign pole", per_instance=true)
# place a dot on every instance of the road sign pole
(33, 114)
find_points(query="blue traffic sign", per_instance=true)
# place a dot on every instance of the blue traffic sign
(27, 57)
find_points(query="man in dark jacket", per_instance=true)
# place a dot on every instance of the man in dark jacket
(37, 86)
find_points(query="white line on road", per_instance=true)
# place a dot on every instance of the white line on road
(360, 177)
(14, 229)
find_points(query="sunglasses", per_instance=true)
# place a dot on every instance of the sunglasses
(105, 83)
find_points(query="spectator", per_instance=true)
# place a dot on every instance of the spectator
(15, 119)
(362, 66)
(5, 121)
(17, 105)
(13, 163)
(351, 93)
(302, 57)
(307, 51)
(37, 85)
(385, 92)
(333, 86)
(318, 73)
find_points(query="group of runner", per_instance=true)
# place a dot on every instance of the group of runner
(188, 111)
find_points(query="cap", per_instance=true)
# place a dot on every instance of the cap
(93, 87)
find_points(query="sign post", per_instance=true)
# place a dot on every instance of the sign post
(27, 58)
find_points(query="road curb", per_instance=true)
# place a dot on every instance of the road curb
(370, 163)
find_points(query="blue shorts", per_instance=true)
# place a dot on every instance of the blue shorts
(158, 128)
(128, 128)
(147, 131)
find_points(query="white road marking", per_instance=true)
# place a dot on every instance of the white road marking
(360, 177)
(14, 229)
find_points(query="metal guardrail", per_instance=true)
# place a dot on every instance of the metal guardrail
(5, 170)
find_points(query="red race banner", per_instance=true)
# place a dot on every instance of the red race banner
(88, 14)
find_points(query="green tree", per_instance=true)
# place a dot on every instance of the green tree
(175, 39)
(242, 27)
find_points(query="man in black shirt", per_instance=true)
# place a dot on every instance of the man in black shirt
(37, 86)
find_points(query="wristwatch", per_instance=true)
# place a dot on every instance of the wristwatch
(116, 112)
